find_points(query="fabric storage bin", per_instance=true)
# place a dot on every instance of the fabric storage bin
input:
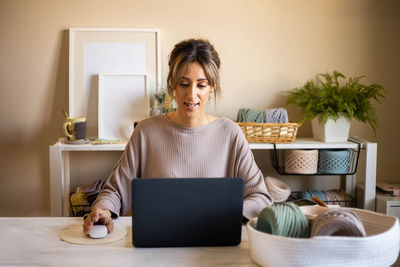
(334, 161)
(301, 161)
(379, 248)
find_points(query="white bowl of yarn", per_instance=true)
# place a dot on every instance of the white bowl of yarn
(380, 246)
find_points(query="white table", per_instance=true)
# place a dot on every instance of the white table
(60, 167)
(35, 241)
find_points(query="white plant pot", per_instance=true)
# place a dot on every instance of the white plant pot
(331, 131)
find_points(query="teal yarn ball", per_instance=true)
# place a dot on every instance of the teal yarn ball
(250, 115)
(266, 221)
(284, 219)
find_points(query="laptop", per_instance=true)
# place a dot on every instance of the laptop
(180, 212)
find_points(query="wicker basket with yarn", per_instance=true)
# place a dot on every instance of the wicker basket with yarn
(334, 161)
(269, 132)
(301, 161)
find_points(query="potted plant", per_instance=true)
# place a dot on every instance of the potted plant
(163, 103)
(331, 104)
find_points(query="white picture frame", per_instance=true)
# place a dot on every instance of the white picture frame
(108, 50)
(123, 99)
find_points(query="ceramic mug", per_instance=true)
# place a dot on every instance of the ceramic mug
(75, 128)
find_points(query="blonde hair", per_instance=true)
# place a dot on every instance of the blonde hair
(190, 51)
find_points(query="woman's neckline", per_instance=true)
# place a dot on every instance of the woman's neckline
(213, 119)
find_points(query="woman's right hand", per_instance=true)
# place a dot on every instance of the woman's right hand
(98, 216)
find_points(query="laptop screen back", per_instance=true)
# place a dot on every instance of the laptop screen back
(175, 212)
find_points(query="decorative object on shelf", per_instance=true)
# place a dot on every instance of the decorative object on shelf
(328, 101)
(301, 161)
(278, 190)
(108, 50)
(74, 128)
(333, 161)
(163, 103)
(379, 248)
(123, 98)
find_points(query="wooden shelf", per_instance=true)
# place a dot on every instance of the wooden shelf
(299, 143)
(304, 143)
(90, 147)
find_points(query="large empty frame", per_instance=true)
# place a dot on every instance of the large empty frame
(108, 50)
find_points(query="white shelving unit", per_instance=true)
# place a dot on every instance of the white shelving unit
(60, 167)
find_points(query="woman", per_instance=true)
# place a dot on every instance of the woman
(185, 143)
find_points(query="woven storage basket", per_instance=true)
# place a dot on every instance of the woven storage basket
(334, 161)
(269, 132)
(301, 161)
(379, 248)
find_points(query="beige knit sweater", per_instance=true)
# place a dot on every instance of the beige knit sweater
(160, 148)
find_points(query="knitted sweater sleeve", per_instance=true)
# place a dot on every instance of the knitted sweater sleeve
(115, 195)
(256, 195)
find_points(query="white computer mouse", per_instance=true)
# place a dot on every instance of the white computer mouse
(98, 231)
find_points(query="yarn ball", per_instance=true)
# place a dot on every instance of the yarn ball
(284, 219)
(338, 222)
(276, 115)
(250, 115)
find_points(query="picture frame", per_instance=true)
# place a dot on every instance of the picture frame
(108, 50)
(123, 99)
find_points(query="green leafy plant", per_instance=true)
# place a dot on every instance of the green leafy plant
(163, 103)
(330, 98)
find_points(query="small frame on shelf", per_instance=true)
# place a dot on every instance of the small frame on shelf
(123, 99)
(323, 161)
